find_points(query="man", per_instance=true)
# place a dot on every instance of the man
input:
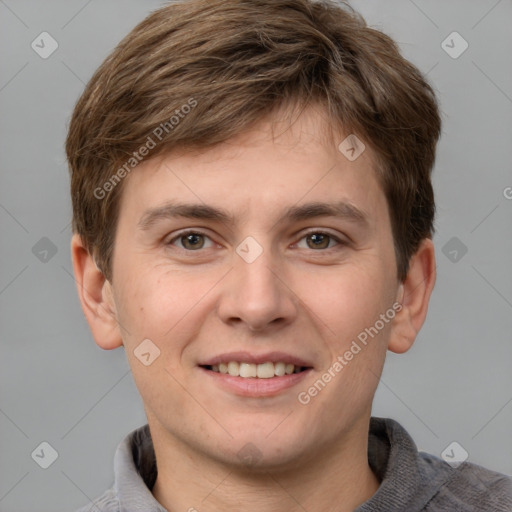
(253, 218)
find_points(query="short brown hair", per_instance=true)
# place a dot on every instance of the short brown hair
(234, 62)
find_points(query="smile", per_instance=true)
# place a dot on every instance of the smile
(266, 370)
(248, 374)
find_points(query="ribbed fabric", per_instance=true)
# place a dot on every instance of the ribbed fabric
(417, 481)
(411, 481)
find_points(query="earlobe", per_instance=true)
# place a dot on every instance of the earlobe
(96, 298)
(414, 295)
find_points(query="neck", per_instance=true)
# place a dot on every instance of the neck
(335, 478)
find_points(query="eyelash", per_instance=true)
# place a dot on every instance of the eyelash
(312, 232)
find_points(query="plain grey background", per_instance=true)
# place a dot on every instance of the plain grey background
(57, 386)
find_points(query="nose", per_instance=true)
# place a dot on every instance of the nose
(257, 294)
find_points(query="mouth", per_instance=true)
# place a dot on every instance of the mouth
(250, 375)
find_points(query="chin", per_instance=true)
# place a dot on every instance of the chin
(258, 452)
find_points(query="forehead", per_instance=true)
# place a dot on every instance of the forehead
(279, 164)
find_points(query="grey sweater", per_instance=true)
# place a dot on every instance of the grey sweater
(411, 481)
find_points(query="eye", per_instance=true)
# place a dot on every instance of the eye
(320, 240)
(191, 240)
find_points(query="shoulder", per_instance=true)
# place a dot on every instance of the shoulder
(413, 480)
(107, 502)
(469, 488)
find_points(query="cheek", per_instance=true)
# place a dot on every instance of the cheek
(348, 309)
(158, 306)
(350, 305)
(161, 304)
(346, 301)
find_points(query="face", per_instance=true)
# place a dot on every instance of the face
(270, 255)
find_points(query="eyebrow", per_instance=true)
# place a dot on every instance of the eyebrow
(171, 210)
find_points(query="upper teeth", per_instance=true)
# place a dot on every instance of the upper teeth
(262, 371)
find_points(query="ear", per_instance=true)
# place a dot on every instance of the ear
(414, 295)
(96, 297)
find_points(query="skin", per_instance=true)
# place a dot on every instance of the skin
(311, 302)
